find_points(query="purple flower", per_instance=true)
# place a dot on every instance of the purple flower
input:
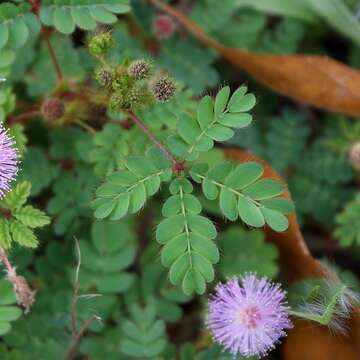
(248, 316)
(8, 161)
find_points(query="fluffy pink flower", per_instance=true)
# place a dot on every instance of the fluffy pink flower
(164, 26)
(248, 316)
(8, 161)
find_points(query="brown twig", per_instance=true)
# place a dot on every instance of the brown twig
(176, 164)
(76, 334)
(75, 340)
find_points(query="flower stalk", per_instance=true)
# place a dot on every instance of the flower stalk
(176, 164)
(24, 295)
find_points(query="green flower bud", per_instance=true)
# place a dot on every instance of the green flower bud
(133, 97)
(116, 101)
(120, 82)
(100, 44)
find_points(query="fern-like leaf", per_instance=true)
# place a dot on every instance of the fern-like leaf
(22, 234)
(187, 238)
(126, 191)
(31, 217)
(144, 334)
(347, 230)
(5, 237)
(215, 121)
(242, 192)
(17, 196)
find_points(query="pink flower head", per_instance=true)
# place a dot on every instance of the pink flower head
(248, 316)
(164, 26)
(8, 161)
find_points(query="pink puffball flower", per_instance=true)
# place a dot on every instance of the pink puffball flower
(8, 161)
(164, 26)
(248, 316)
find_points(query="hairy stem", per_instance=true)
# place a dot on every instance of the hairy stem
(6, 262)
(24, 295)
(177, 165)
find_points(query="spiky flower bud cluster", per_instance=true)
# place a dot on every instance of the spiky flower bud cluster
(126, 100)
(163, 88)
(128, 84)
(116, 101)
(100, 44)
(121, 81)
(52, 109)
(134, 96)
(139, 69)
(105, 77)
(354, 155)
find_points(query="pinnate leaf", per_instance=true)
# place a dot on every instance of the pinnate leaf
(126, 191)
(214, 122)
(187, 236)
(242, 192)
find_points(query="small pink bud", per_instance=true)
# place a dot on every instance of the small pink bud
(52, 108)
(164, 27)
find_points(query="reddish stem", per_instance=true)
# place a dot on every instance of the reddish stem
(23, 116)
(35, 8)
(176, 165)
(54, 59)
(6, 213)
